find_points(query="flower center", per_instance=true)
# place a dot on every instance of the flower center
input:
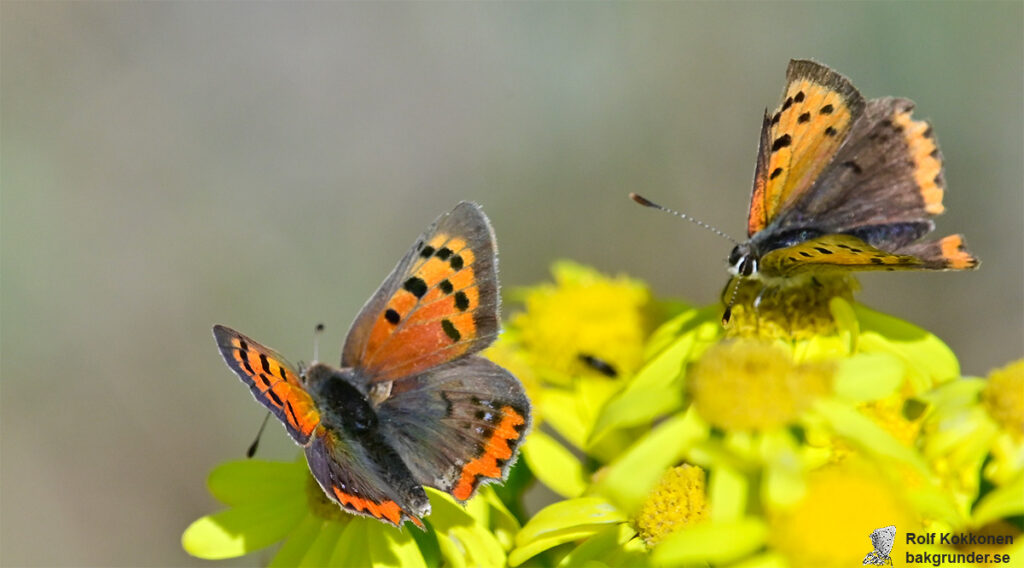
(798, 309)
(753, 385)
(679, 500)
(1003, 397)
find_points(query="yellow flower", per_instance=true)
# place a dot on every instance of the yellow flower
(785, 312)
(280, 502)
(831, 525)
(584, 323)
(755, 385)
(678, 501)
(1003, 398)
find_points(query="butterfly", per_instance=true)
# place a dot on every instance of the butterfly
(842, 183)
(881, 540)
(411, 405)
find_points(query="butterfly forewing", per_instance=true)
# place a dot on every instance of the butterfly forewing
(799, 139)
(439, 303)
(272, 380)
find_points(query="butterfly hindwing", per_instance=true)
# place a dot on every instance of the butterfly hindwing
(366, 479)
(799, 139)
(458, 425)
(272, 380)
(439, 303)
(888, 159)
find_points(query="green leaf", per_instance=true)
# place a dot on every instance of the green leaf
(727, 489)
(394, 547)
(563, 522)
(865, 376)
(558, 410)
(929, 359)
(1002, 502)
(555, 466)
(712, 542)
(243, 529)
(607, 547)
(656, 390)
(342, 544)
(866, 434)
(248, 481)
(628, 480)
(298, 542)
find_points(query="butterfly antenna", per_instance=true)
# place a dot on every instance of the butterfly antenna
(256, 443)
(648, 203)
(317, 332)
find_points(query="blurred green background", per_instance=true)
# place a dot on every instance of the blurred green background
(168, 166)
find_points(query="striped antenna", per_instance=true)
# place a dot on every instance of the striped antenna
(648, 203)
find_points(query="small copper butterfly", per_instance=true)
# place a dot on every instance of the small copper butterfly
(411, 405)
(842, 184)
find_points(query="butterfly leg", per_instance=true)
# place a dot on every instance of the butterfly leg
(756, 305)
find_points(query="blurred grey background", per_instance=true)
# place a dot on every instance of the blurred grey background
(168, 166)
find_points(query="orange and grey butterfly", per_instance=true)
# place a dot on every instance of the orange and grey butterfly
(411, 405)
(844, 184)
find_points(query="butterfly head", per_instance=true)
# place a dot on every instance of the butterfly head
(743, 260)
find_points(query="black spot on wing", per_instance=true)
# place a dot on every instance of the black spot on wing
(830, 131)
(415, 286)
(450, 330)
(775, 173)
(456, 262)
(827, 109)
(446, 286)
(392, 316)
(444, 253)
(277, 399)
(264, 363)
(427, 251)
(805, 117)
(781, 142)
(461, 301)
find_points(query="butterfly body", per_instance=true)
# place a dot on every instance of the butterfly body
(411, 405)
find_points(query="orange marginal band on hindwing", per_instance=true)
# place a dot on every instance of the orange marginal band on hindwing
(438, 304)
(797, 142)
(388, 510)
(499, 449)
(272, 380)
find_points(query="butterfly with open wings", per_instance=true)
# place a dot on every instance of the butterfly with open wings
(412, 405)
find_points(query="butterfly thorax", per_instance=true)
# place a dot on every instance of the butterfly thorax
(341, 403)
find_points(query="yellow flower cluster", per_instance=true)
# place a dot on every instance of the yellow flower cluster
(785, 439)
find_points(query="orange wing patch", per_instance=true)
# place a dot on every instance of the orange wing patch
(385, 511)
(954, 252)
(819, 107)
(926, 157)
(441, 292)
(496, 452)
(271, 380)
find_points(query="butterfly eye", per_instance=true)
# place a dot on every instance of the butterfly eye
(734, 256)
